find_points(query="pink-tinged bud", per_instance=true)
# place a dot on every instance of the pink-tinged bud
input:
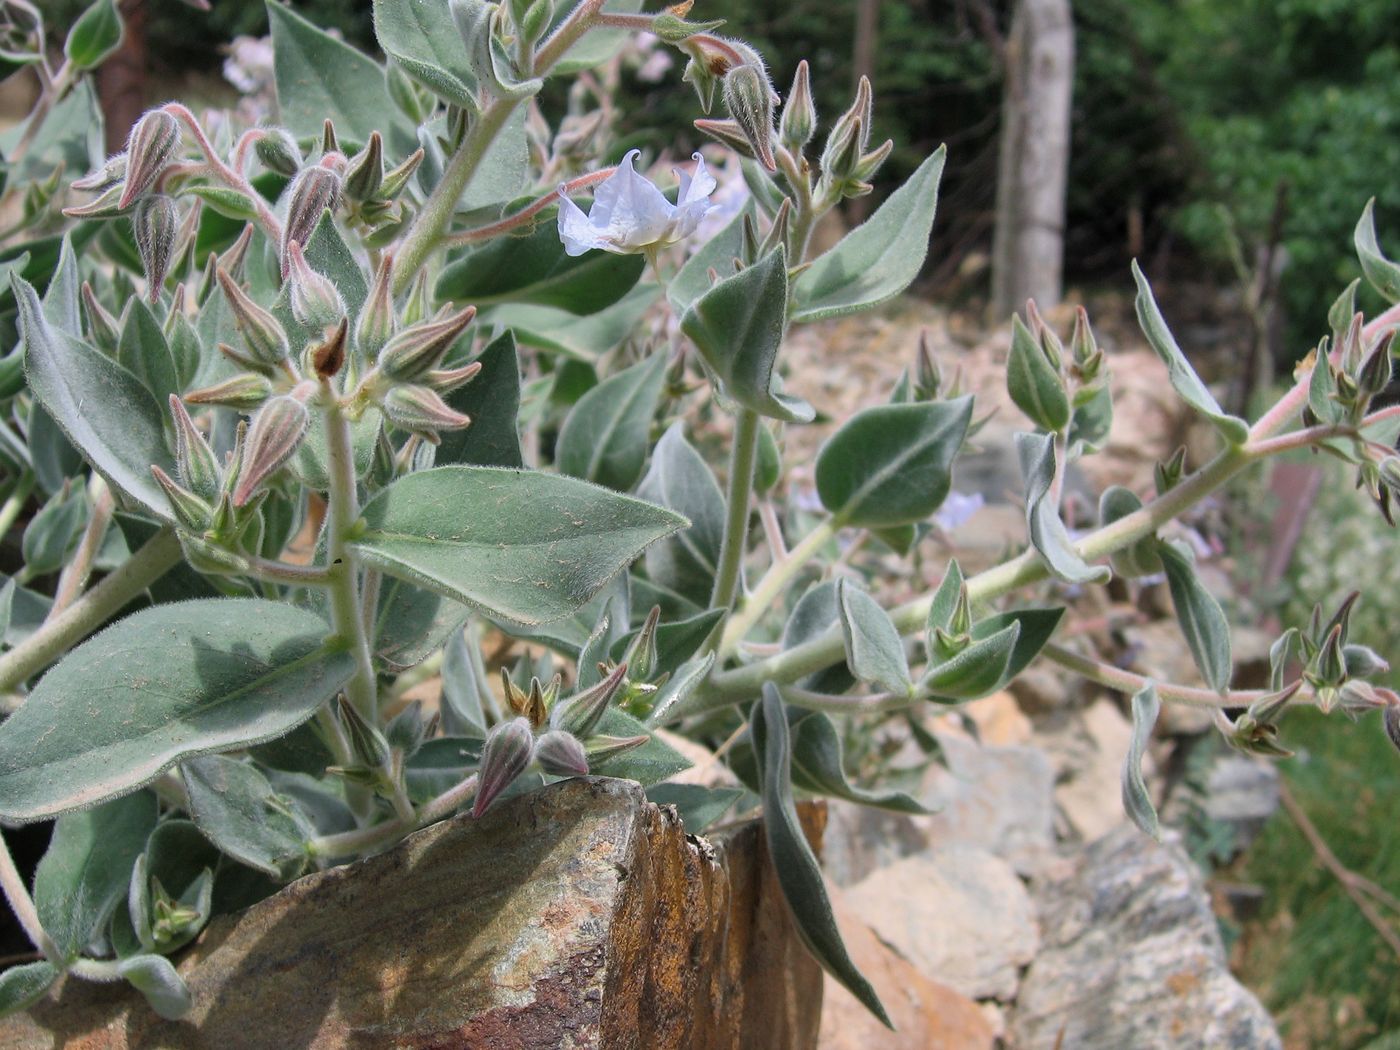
(561, 755)
(237, 254)
(415, 304)
(870, 163)
(328, 358)
(726, 133)
(313, 191)
(245, 391)
(799, 121)
(152, 143)
(190, 511)
(199, 467)
(329, 143)
(849, 136)
(278, 151)
(275, 434)
(112, 172)
(417, 350)
(365, 172)
(602, 748)
(375, 325)
(1375, 371)
(581, 713)
(506, 754)
(1391, 723)
(102, 326)
(154, 222)
(448, 380)
(420, 410)
(749, 97)
(262, 333)
(397, 178)
(314, 299)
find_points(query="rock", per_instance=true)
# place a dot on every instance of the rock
(1243, 793)
(1131, 956)
(959, 915)
(579, 916)
(999, 721)
(926, 1015)
(1040, 689)
(1088, 748)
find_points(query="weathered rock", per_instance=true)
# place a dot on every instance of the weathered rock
(1131, 956)
(580, 916)
(960, 915)
(1243, 793)
(926, 1015)
(1088, 748)
(1041, 689)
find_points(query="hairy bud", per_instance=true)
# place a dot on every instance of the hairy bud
(397, 178)
(799, 120)
(365, 172)
(561, 755)
(415, 351)
(275, 434)
(153, 142)
(262, 333)
(154, 222)
(328, 358)
(190, 511)
(199, 467)
(505, 755)
(245, 392)
(313, 191)
(449, 379)
(750, 98)
(314, 299)
(103, 328)
(581, 713)
(420, 410)
(278, 151)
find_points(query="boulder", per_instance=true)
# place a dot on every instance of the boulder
(579, 916)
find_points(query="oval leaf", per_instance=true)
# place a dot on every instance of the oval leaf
(606, 434)
(1200, 616)
(423, 40)
(1383, 274)
(94, 36)
(874, 650)
(1033, 382)
(1047, 532)
(237, 810)
(1137, 801)
(22, 986)
(162, 685)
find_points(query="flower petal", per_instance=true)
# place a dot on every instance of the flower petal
(577, 233)
(695, 187)
(628, 211)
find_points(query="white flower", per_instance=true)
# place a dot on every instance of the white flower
(631, 216)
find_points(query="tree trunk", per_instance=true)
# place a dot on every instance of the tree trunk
(1028, 246)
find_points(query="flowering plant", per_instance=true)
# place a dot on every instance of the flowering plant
(325, 402)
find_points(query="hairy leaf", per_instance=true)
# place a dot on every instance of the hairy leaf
(1033, 382)
(492, 400)
(1200, 616)
(679, 478)
(1383, 274)
(235, 807)
(606, 434)
(1137, 801)
(1047, 532)
(423, 39)
(874, 650)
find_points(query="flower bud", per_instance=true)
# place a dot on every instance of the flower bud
(262, 333)
(313, 191)
(1269, 708)
(561, 755)
(375, 325)
(749, 97)
(329, 143)
(641, 654)
(1391, 723)
(529, 704)
(104, 206)
(799, 120)
(849, 137)
(154, 222)
(726, 133)
(199, 467)
(1166, 475)
(275, 434)
(602, 748)
(408, 729)
(152, 143)
(366, 741)
(112, 172)
(928, 377)
(1357, 697)
(448, 380)
(1374, 375)
(210, 558)
(365, 173)
(416, 350)
(315, 300)
(415, 304)
(328, 358)
(505, 755)
(278, 151)
(103, 328)
(192, 512)
(420, 410)
(581, 713)
(700, 75)
(397, 178)
(245, 392)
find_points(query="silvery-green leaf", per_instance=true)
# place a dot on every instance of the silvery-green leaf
(413, 623)
(1033, 382)
(670, 703)
(463, 713)
(162, 685)
(94, 36)
(945, 599)
(817, 766)
(1183, 377)
(1090, 424)
(698, 806)
(604, 438)
(648, 764)
(874, 650)
(892, 464)
(423, 40)
(492, 400)
(1140, 558)
(520, 545)
(1037, 625)
(596, 46)
(440, 765)
(738, 327)
(87, 867)
(799, 875)
(1281, 654)
(816, 613)
(1137, 801)
(236, 808)
(145, 353)
(583, 338)
(7, 605)
(23, 986)
(718, 253)
(1199, 614)
(1047, 532)
(61, 298)
(156, 979)
(879, 258)
(676, 641)
(1383, 274)
(679, 478)
(1342, 310)
(977, 671)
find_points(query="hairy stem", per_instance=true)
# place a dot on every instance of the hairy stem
(231, 178)
(22, 904)
(352, 843)
(75, 574)
(742, 462)
(15, 501)
(772, 585)
(1127, 682)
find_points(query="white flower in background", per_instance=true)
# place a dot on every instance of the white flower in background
(728, 199)
(630, 216)
(957, 509)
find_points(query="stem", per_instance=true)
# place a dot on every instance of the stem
(510, 222)
(287, 572)
(160, 554)
(581, 19)
(75, 574)
(234, 179)
(352, 843)
(53, 90)
(14, 503)
(1127, 682)
(743, 459)
(343, 511)
(774, 582)
(23, 905)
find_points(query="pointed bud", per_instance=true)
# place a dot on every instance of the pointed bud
(416, 350)
(275, 434)
(190, 511)
(315, 300)
(1269, 708)
(602, 748)
(420, 410)
(366, 741)
(313, 191)
(1349, 355)
(778, 232)
(1357, 697)
(1342, 617)
(278, 151)
(375, 325)
(505, 755)
(103, 328)
(408, 729)
(528, 704)
(106, 205)
(1167, 475)
(199, 467)
(849, 137)
(641, 654)
(152, 144)
(1083, 347)
(365, 173)
(233, 260)
(581, 713)
(727, 133)
(112, 172)
(561, 755)
(1391, 723)
(415, 305)
(928, 378)
(329, 143)
(869, 163)
(262, 333)
(700, 74)
(153, 223)
(799, 120)
(749, 97)
(328, 358)
(1376, 369)
(397, 178)
(245, 392)
(448, 380)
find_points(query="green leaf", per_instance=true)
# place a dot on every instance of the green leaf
(1047, 532)
(308, 464)
(423, 39)
(69, 134)
(1137, 801)
(144, 352)
(977, 671)
(697, 806)
(817, 766)
(1322, 391)
(238, 811)
(892, 464)
(87, 869)
(817, 613)
(501, 175)
(719, 253)
(675, 642)
(648, 764)
(799, 875)
(606, 435)
(94, 36)
(492, 400)
(1090, 424)
(102, 408)
(155, 977)
(1383, 274)
(1033, 382)
(518, 545)
(1183, 377)
(738, 327)
(23, 986)
(320, 77)
(463, 710)
(535, 269)
(679, 478)
(413, 623)
(874, 650)
(440, 764)
(671, 701)
(61, 297)
(1201, 619)
(230, 203)
(162, 685)
(1140, 558)
(596, 46)
(878, 259)
(585, 339)
(52, 531)
(945, 600)
(1037, 627)
(328, 254)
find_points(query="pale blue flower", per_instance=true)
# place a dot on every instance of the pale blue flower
(630, 216)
